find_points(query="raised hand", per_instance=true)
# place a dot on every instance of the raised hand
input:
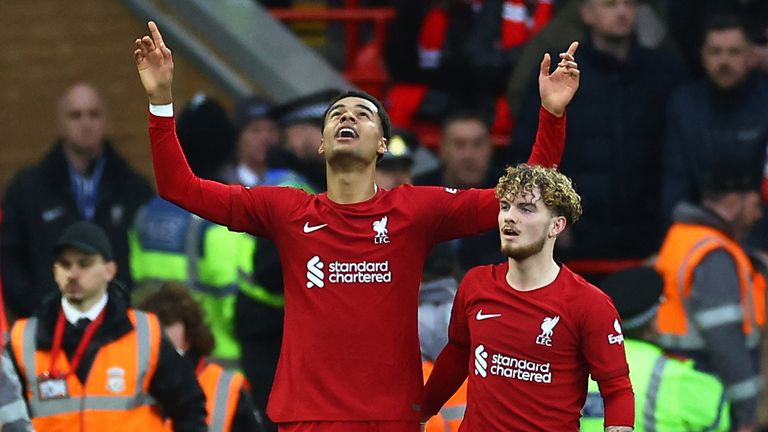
(557, 89)
(155, 65)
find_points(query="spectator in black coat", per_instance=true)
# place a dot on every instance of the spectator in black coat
(721, 116)
(81, 178)
(615, 131)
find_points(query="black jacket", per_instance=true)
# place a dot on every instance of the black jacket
(613, 149)
(38, 205)
(706, 125)
(174, 384)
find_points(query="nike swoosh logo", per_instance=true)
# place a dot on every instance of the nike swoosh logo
(481, 316)
(308, 229)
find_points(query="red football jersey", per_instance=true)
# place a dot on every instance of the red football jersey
(531, 352)
(351, 277)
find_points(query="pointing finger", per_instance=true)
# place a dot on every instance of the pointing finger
(573, 47)
(155, 32)
(545, 63)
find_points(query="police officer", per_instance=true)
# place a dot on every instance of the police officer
(670, 395)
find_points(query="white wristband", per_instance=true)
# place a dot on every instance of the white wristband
(162, 110)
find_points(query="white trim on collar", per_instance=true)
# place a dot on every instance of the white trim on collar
(73, 315)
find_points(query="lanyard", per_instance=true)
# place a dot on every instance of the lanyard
(200, 366)
(58, 336)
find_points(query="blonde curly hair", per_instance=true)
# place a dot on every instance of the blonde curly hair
(557, 191)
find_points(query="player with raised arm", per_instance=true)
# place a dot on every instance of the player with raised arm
(351, 257)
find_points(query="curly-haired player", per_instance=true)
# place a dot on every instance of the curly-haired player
(529, 332)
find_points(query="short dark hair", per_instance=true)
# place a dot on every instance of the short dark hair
(386, 123)
(173, 303)
(464, 115)
(739, 174)
(722, 22)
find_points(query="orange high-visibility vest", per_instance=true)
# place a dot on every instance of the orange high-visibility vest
(452, 413)
(115, 396)
(685, 246)
(222, 390)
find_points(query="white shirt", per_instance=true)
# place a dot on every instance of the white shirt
(73, 315)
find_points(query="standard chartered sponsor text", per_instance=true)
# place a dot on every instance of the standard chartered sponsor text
(520, 369)
(359, 272)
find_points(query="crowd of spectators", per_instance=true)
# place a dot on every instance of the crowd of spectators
(672, 94)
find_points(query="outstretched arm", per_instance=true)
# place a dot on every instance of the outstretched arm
(155, 65)
(175, 180)
(556, 90)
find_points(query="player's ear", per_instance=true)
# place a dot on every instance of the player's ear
(321, 149)
(382, 146)
(557, 226)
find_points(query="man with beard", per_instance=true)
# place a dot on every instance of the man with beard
(720, 116)
(536, 329)
(88, 361)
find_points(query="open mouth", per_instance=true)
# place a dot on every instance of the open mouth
(509, 231)
(346, 133)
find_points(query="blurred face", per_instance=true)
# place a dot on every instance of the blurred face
(525, 225)
(611, 19)
(725, 56)
(302, 139)
(82, 278)
(352, 130)
(466, 153)
(748, 210)
(256, 139)
(83, 120)
(390, 178)
(178, 337)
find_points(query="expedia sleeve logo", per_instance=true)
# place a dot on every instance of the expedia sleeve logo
(616, 338)
(346, 272)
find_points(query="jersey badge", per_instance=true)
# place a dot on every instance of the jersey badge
(547, 328)
(380, 228)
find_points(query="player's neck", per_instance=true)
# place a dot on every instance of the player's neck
(532, 273)
(350, 187)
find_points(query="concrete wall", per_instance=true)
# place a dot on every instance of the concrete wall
(49, 44)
